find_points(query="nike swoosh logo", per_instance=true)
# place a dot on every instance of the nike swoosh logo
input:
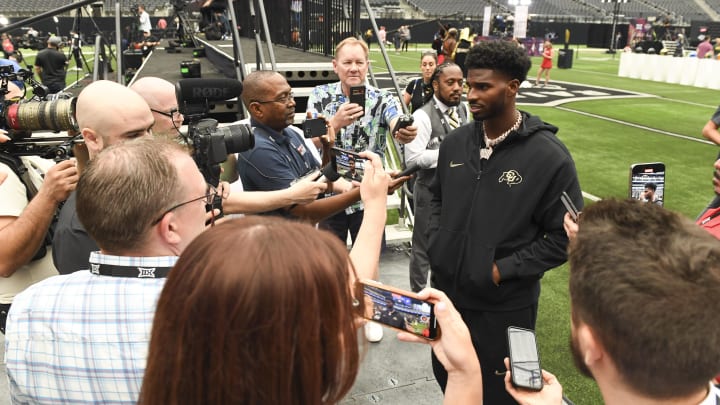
(455, 164)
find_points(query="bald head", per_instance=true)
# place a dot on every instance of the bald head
(109, 113)
(159, 94)
(256, 84)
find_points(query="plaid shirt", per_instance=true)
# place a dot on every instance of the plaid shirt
(81, 337)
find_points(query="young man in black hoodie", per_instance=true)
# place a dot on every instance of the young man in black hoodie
(496, 222)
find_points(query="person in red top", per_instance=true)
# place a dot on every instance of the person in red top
(546, 63)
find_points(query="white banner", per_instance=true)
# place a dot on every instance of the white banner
(521, 16)
(486, 21)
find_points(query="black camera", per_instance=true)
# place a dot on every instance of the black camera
(211, 145)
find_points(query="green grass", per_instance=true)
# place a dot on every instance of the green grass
(603, 152)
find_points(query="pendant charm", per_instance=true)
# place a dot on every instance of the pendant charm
(485, 153)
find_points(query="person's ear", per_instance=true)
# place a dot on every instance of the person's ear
(591, 348)
(93, 141)
(435, 86)
(512, 87)
(167, 229)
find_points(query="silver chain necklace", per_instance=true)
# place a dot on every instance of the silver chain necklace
(490, 143)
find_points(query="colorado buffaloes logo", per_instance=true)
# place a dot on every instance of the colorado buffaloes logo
(510, 177)
(146, 272)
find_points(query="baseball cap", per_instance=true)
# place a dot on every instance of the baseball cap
(55, 40)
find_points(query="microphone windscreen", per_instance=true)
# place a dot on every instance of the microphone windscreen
(198, 91)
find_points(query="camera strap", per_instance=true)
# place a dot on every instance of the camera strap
(129, 271)
(18, 167)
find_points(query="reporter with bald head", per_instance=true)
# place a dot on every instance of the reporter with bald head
(107, 114)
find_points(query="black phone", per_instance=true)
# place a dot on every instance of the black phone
(647, 182)
(569, 206)
(405, 120)
(348, 164)
(314, 127)
(524, 359)
(357, 95)
(399, 309)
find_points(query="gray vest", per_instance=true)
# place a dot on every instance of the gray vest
(440, 128)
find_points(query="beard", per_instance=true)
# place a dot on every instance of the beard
(493, 110)
(578, 357)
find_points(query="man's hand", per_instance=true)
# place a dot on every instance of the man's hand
(60, 181)
(3, 136)
(396, 183)
(406, 135)
(346, 115)
(571, 227)
(306, 191)
(551, 394)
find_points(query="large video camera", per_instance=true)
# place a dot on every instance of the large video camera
(211, 144)
(20, 117)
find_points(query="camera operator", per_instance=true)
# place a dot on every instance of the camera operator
(76, 45)
(144, 19)
(24, 224)
(51, 65)
(148, 43)
(107, 113)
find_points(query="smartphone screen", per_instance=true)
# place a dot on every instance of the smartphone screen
(400, 310)
(647, 182)
(348, 164)
(524, 359)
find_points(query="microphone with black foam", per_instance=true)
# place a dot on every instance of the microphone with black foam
(329, 174)
(194, 95)
(409, 170)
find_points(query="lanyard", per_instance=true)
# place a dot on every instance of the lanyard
(129, 271)
(441, 114)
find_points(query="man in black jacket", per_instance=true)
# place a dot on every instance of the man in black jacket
(496, 221)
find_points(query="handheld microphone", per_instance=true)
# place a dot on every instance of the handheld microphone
(329, 174)
(194, 95)
(409, 170)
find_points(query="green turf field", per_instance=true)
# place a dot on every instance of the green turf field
(603, 151)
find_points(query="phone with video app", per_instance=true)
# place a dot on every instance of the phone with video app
(524, 359)
(399, 309)
(348, 164)
(647, 182)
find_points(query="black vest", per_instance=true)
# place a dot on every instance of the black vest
(440, 128)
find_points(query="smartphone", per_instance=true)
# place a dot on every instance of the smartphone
(569, 206)
(647, 182)
(348, 164)
(399, 309)
(357, 95)
(314, 127)
(524, 359)
(404, 121)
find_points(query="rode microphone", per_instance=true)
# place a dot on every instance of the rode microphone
(194, 95)
(409, 170)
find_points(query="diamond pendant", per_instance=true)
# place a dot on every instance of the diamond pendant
(485, 153)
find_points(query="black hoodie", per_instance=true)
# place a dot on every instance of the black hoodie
(506, 210)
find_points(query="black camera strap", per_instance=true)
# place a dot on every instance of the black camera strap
(129, 271)
(18, 167)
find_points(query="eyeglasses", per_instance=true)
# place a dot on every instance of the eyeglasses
(209, 197)
(172, 114)
(284, 99)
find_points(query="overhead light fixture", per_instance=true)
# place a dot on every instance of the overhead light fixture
(4, 20)
(55, 19)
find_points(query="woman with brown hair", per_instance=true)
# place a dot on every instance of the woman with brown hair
(420, 90)
(262, 310)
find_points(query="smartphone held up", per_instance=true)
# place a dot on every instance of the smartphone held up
(647, 182)
(399, 309)
(524, 359)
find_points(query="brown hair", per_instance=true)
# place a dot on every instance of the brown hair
(123, 190)
(646, 281)
(257, 310)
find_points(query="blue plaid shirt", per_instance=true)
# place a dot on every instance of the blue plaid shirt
(82, 338)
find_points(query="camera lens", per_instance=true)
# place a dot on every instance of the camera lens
(56, 115)
(238, 138)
